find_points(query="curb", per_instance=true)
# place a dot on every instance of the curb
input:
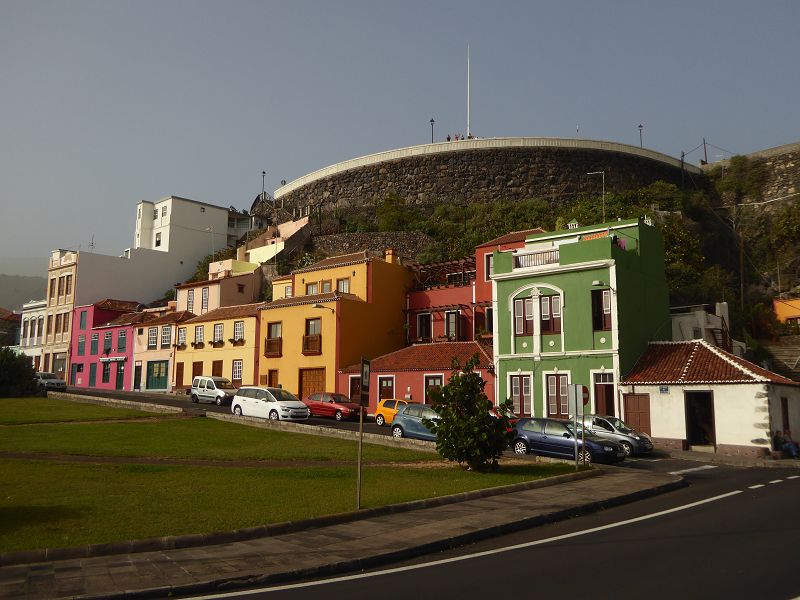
(228, 584)
(100, 401)
(239, 535)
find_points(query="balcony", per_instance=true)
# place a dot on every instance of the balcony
(536, 259)
(274, 346)
(312, 344)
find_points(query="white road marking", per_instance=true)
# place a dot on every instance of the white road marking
(793, 477)
(469, 556)
(776, 480)
(693, 469)
(755, 487)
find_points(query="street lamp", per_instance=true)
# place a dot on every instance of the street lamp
(432, 122)
(603, 173)
(640, 134)
(210, 228)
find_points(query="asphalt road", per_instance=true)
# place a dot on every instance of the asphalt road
(732, 533)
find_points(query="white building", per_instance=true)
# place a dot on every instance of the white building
(31, 333)
(698, 322)
(178, 224)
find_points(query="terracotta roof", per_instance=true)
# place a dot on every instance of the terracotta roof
(172, 317)
(7, 315)
(228, 312)
(425, 357)
(118, 305)
(696, 361)
(128, 319)
(337, 261)
(311, 299)
(191, 284)
(513, 236)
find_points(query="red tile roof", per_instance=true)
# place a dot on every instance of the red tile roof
(337, 261)
(173, 317)
(513, 236)
(229, 312)
(421, 357)
(7, 315)
(131, 318)
(310, 299)
(696, 361)
(118, 305)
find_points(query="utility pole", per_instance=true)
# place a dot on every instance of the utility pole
(705, 152)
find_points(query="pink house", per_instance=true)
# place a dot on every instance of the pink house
(409, 373)
(440, 306)
(84, 344)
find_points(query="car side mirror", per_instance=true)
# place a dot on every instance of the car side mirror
(567, 435)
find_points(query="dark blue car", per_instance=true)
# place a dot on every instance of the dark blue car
(551, 437)
(408, 422)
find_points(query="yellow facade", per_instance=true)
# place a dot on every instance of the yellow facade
(367, 321)
(232, 355)
(787, 310)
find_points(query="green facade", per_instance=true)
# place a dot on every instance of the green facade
(624, 258)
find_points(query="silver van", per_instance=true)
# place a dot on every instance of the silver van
(219, 390)
(610, 428)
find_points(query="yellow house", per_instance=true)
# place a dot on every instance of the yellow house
(222, 342)
(787, 311)
(330, 314)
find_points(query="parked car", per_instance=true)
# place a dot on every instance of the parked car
(551, 437)
(212, 389)
(387, 409)
(512, 418)
(269, 403)
(408, 422)
(611, 428)
(50, 382)
(329, 404)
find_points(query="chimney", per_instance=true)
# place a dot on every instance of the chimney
(391, 258)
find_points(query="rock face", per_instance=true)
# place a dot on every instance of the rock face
(484, 175)
(404, 243)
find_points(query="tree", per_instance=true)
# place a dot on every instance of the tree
(16, 374)
(467, 432)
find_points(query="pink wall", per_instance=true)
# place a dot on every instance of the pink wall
(94, 317)
(431, 301)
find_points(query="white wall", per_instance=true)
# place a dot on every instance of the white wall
(792, 394)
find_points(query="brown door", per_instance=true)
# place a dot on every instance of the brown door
(637, 411)
(311, 381)
(216, 368)
(604, 399)
(272, 378)
(178, 375)
(355, 390)
(557, 396)
(385, 387)
(197, 369)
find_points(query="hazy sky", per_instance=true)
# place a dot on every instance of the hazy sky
(107, 103)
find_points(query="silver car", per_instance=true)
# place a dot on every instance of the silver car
(611, 428)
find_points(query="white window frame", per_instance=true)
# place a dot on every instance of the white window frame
(451, 335)
(343, 289)
(181, 336)
(237, 365)
(204, 301)
(152, 338)
(219, 332)
(419, 318)
(199, 334)
(488, 266)
(312, 289)
(166, 335)
(287, 292)
(238, 330)
(190, 301)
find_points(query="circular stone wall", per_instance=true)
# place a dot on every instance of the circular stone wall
(483, 170)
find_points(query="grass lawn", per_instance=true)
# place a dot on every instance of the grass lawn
(47, 503)
(15, 411)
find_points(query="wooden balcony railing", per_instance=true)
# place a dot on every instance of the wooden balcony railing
(273, 346)
(312, 344)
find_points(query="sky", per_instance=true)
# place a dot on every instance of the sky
(106, 103)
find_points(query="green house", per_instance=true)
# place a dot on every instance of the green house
(577, 307)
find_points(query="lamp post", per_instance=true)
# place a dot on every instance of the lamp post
(210, 229)
(603, 174)
(640, 135)
(432, 122)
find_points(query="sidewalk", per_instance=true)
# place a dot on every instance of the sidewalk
(729, 460)
(326, 546)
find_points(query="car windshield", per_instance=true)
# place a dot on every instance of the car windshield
(47, 376)
(224, 384)
(620, 425)
(582, 432)
(340, 398)
(284, 395)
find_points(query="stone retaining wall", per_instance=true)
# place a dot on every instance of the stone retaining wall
(143, 406)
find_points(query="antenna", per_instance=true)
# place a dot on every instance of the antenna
(469, 100)
(91, 244)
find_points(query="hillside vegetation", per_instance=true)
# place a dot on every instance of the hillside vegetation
(15, 290)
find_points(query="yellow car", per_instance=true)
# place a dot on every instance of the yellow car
(387, 409)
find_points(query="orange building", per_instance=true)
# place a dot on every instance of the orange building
(787, 311)
(327, 316)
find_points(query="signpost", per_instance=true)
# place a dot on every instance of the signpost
(578, 396)
(364, 402)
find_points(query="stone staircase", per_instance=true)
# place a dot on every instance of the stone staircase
(786, 356)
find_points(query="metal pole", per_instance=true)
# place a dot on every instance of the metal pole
(469, 100)
(640, 135)
(432, 121)
(360, 446)
(604, 196)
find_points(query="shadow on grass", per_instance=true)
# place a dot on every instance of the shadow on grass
(16, 517)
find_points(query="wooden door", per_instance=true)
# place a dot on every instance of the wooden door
(179, 375)
(272, 378)
(557, 396)
(385, 387)
(604, 399)
(311, 381)
(355, 389)
(637, 411)
(197, 369)
(216, 368)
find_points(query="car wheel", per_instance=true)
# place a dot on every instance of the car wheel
(397, 431)
(219, 401)
(379, 420)
(273, 415)
(338, 415)
(585, 456)
(237, 410)
(520, 447)
(194, 398)
(628, 448)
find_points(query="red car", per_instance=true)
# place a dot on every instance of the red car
(329, 404)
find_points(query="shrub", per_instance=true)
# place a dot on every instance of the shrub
(16, 374)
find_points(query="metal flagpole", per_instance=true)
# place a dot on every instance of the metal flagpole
(469, 98)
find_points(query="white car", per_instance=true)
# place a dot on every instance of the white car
(269, 403)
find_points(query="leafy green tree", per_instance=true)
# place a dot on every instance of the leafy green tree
(201, 271)
(467, 432)
(16, 374)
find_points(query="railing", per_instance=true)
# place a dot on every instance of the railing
(548, 257)
(312, 344)
(273, 346)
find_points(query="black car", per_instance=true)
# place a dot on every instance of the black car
(551, 437)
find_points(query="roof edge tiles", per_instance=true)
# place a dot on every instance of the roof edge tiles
(424, 357)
